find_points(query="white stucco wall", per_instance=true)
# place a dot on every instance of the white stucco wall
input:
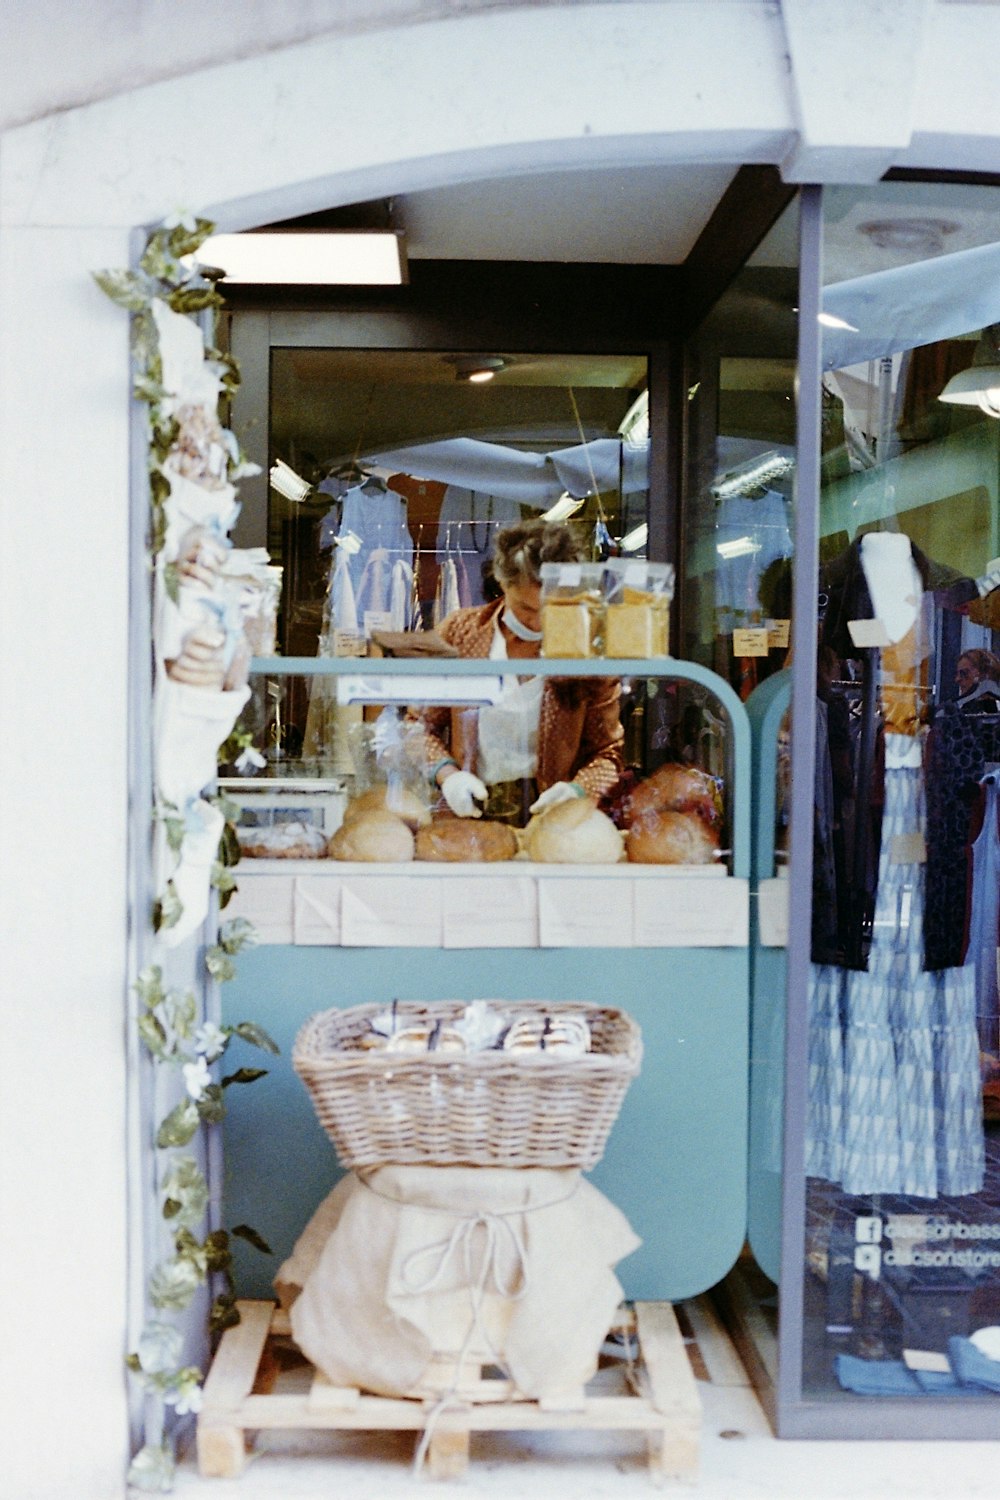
(281, 131)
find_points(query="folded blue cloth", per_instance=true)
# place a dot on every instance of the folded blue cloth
(972, 1366)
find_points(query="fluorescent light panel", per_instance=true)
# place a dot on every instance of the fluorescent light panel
(363, 257)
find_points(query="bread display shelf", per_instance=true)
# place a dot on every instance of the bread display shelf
(326, 903)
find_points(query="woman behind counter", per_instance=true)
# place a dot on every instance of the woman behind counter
(547, 739)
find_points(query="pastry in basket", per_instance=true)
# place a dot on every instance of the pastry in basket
(390, 797)
(292, 840)
(458, 839)
(431, 1036)
(373, 838)
(572, 833)
(567, 1035)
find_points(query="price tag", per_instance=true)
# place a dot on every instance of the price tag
(908, 849)
(868, 633)
(348, 643)
(377, 619)
(778, 633)
(750, 642)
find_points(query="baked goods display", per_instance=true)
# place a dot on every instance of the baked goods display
(466, 839)
(572, 833)
(373, 837)
(637, 623)
(288, 840)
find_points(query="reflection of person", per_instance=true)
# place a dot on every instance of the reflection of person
(561, 737)
(977, 674)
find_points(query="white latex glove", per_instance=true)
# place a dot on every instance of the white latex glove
(559, 791)
(461, 790)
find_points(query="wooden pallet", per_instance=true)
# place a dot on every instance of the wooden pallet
(240, 1400)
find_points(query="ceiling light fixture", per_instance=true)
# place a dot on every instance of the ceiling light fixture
(476, 368)
(340, 257)
(914, 236)
(979, 385)
(567, 505)
(286, 482)
(635, 539)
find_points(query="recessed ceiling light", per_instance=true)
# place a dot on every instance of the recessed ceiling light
(919, 236)
(477, 368)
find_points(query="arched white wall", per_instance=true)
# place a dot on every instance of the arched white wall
(329, 121)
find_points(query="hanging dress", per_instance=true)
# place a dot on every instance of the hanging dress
(895, 1101)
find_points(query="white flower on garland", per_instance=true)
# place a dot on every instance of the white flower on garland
(186, 1395)
(196, 1077)
(210, 1041)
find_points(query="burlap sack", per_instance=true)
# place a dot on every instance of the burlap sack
(404, 1261)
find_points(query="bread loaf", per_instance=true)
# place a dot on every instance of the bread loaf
(289, 840)
(458, 839)
(393, 798)
(377, 837)
(670, 838)
(675, 788)
(572, 833)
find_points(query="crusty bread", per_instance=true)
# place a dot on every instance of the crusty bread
(392, 798)
(572, 833)
(675, 788)
(373, 838)
(670, 838)
(458, 839)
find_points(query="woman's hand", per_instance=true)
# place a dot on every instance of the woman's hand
(559, 791)
(461, 790)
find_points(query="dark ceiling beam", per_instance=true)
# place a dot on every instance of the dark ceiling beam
(746, 211)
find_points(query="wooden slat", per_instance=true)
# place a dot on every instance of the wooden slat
(234, 1367)
(614, 1413)
(673, 1389)
(325, 1396)
(720, 1359)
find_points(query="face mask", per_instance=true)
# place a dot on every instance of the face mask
(518, 628)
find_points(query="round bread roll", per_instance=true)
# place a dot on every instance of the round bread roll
(373, 838)
(572, 833)
(392, 798)
(675, 788)
(458, 839)
(671, 838)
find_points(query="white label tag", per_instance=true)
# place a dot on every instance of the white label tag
(348, 643)
(778, 633)
(867, 634)
(377, 619)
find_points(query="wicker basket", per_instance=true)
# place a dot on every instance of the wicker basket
(489, 1109)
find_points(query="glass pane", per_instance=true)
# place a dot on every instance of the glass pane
(424, 463)
(741, 445)
(902, 1239)
(652, 753)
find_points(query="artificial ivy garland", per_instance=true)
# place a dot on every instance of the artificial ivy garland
(183, 1051)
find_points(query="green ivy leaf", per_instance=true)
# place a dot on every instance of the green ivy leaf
(186, 1192)
(173, 1283)
(224, 1314)
(229, 809)
(179, 1126)
(152, 1469)
(244, 1075)
(180, 1011)
(168, 910)
(210, 1106)
(256, 1036)
(129, 289)
(159, 485)
(157, 529)
(149, 985)
(217, 1250)
(175, 829)
(191, 1250)
(237, 934)
(245, 1232)
(222, 879)
(194, 299)
(185, 241)
(229, 846)
(144, 388)
(160, 1347)
(219, 965)
(153, 1035)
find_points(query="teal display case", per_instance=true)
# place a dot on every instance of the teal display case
(676, 1160)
